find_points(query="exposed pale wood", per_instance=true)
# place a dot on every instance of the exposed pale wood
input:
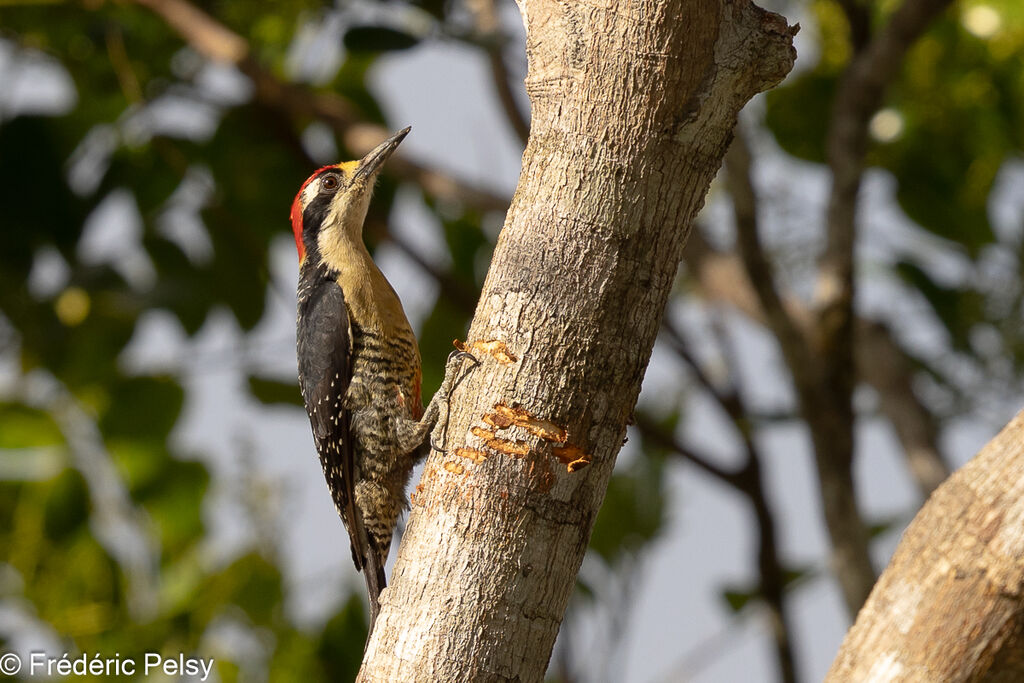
(633, 106)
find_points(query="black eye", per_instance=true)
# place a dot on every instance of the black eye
(329, 183)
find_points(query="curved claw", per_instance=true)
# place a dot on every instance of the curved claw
(451, 382)
(459, 356)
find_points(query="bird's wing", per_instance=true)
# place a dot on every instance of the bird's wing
(325, 371)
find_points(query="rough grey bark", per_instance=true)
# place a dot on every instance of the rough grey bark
(950, 607)
(633, 105)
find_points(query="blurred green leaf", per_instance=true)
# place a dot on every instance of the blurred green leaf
(173, 498)
(738, 599)
(143, 408)
(75, 585)
(633, 512)
(250, 582)
(340, 650)
(180, 285)
(438, 8)
(798, 113)
(884, 526)
(274, 391)
(24, 427)
(351, 83)
(378, 39)
(67, 505)
(466, 240)
(444, 324)
(957, 309)
(585, 590)
(295, 658)
(792, 575)
(36, 181)
(944, 186)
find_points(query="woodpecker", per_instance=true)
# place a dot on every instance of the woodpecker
(359, 364)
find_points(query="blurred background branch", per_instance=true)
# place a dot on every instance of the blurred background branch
(218, 43)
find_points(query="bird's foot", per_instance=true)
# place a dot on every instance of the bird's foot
(454, 374)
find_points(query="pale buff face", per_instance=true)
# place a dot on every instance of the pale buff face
(333, 202)
(343, 225)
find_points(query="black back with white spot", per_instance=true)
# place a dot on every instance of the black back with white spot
(325, 371)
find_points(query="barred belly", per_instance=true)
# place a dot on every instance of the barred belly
(380, 399)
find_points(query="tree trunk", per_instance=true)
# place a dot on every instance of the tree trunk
(949, 607)
(633, 106)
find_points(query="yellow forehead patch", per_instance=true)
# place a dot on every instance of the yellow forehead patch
(348, 168)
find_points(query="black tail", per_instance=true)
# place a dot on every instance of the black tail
(373, 573)
(369, 561)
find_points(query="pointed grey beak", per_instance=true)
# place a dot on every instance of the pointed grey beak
(372, 162)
